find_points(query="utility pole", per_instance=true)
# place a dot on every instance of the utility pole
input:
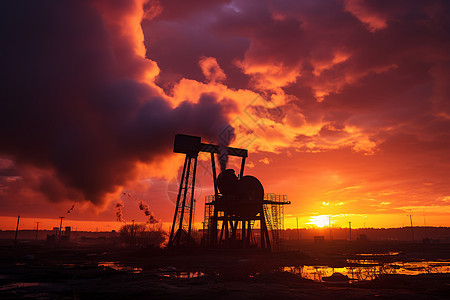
(132, 233)
(329, 225)
(37, 229)
(60, 227)
(298, 232)
(17, 229)
(412, 228)
(350, 229)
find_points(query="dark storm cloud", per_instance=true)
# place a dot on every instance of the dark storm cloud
(379, 66)
(74, 104)
(189, 25)
(368, 76)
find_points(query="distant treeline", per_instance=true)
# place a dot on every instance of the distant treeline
(375, 234)
(433, 234)
(42, 234)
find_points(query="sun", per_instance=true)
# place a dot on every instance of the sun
(319, 221)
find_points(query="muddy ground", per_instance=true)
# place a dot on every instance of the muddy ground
(37, 270)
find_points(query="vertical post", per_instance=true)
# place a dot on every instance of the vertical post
(241, 173)
(233, 227)
(267, 235)
(412, 228)
(298, 232)
(213, 223)
(329, 225)
(178, 201)
(17, 230)
(60, 227)
(37, 229)
(261, 229)
(191, 211)
(213, 165)
(243, 235)
(186, 182)
(249, 233)
(222, 230)
(265, 241)
(132, 233)
(350, 229)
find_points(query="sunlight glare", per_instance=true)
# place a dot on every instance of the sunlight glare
(319, 221)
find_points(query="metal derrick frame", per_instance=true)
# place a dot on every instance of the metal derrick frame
(178, 235)
(273, 208)
(230, 224)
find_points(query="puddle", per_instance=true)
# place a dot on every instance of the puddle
(390, 253)
(181, 275)
(363, 261)
(119, 267)
(174, 274)
(18, 285)
(315, 273)
(422, 267)
(370, 269)
(78, 265)
(70, 266)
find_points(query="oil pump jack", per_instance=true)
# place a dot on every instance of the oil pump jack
(238, 200)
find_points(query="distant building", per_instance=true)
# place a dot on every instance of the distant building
(319, 239)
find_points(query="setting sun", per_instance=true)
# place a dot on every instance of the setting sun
(319, 221)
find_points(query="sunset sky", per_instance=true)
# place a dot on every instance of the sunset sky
(344, 105)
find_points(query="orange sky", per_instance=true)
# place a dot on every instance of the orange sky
(343, 106)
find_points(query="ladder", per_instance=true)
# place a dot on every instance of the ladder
(274, 231)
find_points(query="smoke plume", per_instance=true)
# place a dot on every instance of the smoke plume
(119, 212)
(79, 99)
(144, 207)
(225, 138)
(70, 209)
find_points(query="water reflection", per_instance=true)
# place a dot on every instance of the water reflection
(363, 261)
(174, 274)
(370, 269)
(423, 267)
(390, 253)
(19, 285)
(119, 267)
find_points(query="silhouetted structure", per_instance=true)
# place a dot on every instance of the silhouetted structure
(242, 213)
(66, 235)
(60, 227)
(37, 229)
(412, 228)
(238, 201)
(350, 231)
(180, 232)
(17, 230)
